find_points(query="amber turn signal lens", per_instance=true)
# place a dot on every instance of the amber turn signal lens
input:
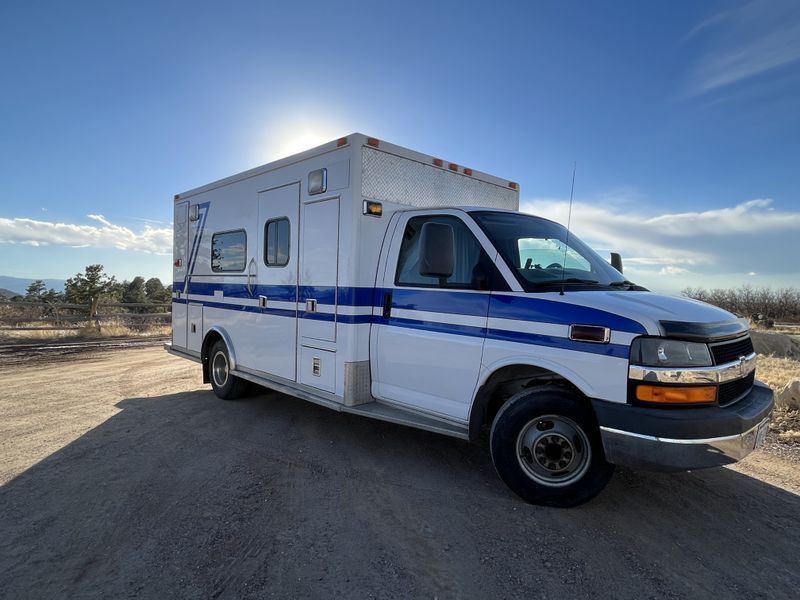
(676, 395)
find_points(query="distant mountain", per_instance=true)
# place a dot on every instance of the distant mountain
(4, 293)
(18, 285)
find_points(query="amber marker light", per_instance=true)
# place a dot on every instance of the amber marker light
(438, 162)
(373, 142)
(662, 394)
(341, 141)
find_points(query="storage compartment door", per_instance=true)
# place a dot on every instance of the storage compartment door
(318, 270)
(194, 338)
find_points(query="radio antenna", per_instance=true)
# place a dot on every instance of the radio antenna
(569, 220)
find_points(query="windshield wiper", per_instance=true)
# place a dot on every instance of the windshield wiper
(568, 280)
(622, 283)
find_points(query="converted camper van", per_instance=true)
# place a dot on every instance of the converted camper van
(375, 280)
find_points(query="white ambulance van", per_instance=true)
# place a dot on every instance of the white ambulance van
(379, 281)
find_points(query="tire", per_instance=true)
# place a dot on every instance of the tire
(546, 447)
(225, 385)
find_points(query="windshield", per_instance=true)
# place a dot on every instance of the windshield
(537, 252)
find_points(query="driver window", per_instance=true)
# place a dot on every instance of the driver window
(470, 258)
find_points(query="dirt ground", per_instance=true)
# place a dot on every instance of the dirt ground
(121, 475)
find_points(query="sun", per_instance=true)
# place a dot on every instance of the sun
(288, 136)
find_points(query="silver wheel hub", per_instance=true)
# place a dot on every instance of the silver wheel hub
(219, 369)
(553, 450)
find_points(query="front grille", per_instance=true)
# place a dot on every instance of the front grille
(732, 391)
(725, 352)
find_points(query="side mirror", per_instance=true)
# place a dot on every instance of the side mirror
(436, 250)
(616, 261)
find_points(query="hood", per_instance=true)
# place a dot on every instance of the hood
(664, 315)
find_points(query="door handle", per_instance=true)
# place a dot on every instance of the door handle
(262, 301)
(250, 275)
(387, 305)
(311, 305)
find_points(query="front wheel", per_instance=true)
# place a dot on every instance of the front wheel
(546, 447)
(226, 386)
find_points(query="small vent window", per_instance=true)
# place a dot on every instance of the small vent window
(229, 251)
(276, 242)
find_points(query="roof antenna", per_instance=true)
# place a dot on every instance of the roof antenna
(569, 220)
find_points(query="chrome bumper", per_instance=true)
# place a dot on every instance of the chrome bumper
(665, 454)
(684, 439)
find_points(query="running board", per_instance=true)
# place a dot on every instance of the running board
(384, 412)
(373, 410)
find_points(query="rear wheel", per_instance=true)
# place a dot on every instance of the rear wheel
(226, 386)
(546, 447)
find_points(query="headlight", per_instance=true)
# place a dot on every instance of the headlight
(657, 352)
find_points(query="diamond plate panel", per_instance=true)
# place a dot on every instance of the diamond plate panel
(396, 179)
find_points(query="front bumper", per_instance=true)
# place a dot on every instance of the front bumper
(680, 439)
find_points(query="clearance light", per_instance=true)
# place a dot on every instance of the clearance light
(590, 333)
(372, 208)
(467, 171)
(341, 141)
(453, 167)
(438, 162)
(512, 185)
(662, 394)
(373, 142)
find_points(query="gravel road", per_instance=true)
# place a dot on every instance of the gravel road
(121, 475)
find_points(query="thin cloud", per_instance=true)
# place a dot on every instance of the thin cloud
(752, 236)
(35, 232)
(753, 39)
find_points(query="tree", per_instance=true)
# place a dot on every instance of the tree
(35, 291)
(91, 285)
(135, 291)
(156, 292)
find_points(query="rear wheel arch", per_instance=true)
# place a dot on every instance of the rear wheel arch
(212, 337)
(505, 382)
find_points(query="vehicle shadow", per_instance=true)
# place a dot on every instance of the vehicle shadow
(185, 495)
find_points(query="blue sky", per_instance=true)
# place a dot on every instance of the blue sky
(683, 118)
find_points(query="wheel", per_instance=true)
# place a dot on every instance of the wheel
(546, 447)
(226, 386)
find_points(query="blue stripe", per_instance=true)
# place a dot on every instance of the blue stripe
(460, 303)
(432, 326)
(346, 296)
(195, 251)
(286, 293)
(359, 296)
(517, 308)
(560, 313)
(616, 350)
(323, 295)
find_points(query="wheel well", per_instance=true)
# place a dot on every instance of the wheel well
(502, 385)
(210, 339)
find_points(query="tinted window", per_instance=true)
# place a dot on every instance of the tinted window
(228, 251)
(276, 242)
(468, 256)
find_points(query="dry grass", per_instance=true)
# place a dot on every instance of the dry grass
(777, 372)
(108, 329)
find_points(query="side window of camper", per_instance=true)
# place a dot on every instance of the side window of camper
(228, 251)
(470, 258)
(276, 242)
